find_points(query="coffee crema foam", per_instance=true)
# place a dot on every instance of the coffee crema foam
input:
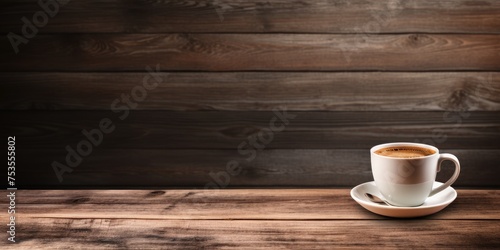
(405, 152)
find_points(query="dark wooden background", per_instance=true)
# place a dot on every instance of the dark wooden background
(355, 74)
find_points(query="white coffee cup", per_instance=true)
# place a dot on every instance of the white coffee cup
(404, 172)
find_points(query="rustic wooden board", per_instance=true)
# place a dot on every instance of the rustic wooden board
(228, 204)
(257, 91)
(251, 52)
(113, 168)
(248, 219)
(312, 16)
(255, 234)
(227, 129)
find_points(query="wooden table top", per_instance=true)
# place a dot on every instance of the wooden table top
(242, 219)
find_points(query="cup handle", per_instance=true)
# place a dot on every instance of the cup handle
(454, 159)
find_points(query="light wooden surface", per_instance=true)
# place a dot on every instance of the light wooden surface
(242, 219)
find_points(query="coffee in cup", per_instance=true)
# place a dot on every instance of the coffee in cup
(405, 172)
(405, 152)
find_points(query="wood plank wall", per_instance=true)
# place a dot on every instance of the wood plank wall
(352, 74)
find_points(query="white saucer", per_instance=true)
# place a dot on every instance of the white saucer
(432, 205)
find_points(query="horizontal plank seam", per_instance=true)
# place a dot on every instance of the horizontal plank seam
(264, 33)
(232, 219)
(261, 71)
(253, 71)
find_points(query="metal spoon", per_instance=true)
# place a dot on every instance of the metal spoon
(376, 199)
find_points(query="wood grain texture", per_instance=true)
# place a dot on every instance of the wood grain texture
(243, 59)
(255, 234)
(229, 204)
(257, 91)
(113, 168)
(253, 52)
(227, 130)
(243, 219)
(323, 16)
